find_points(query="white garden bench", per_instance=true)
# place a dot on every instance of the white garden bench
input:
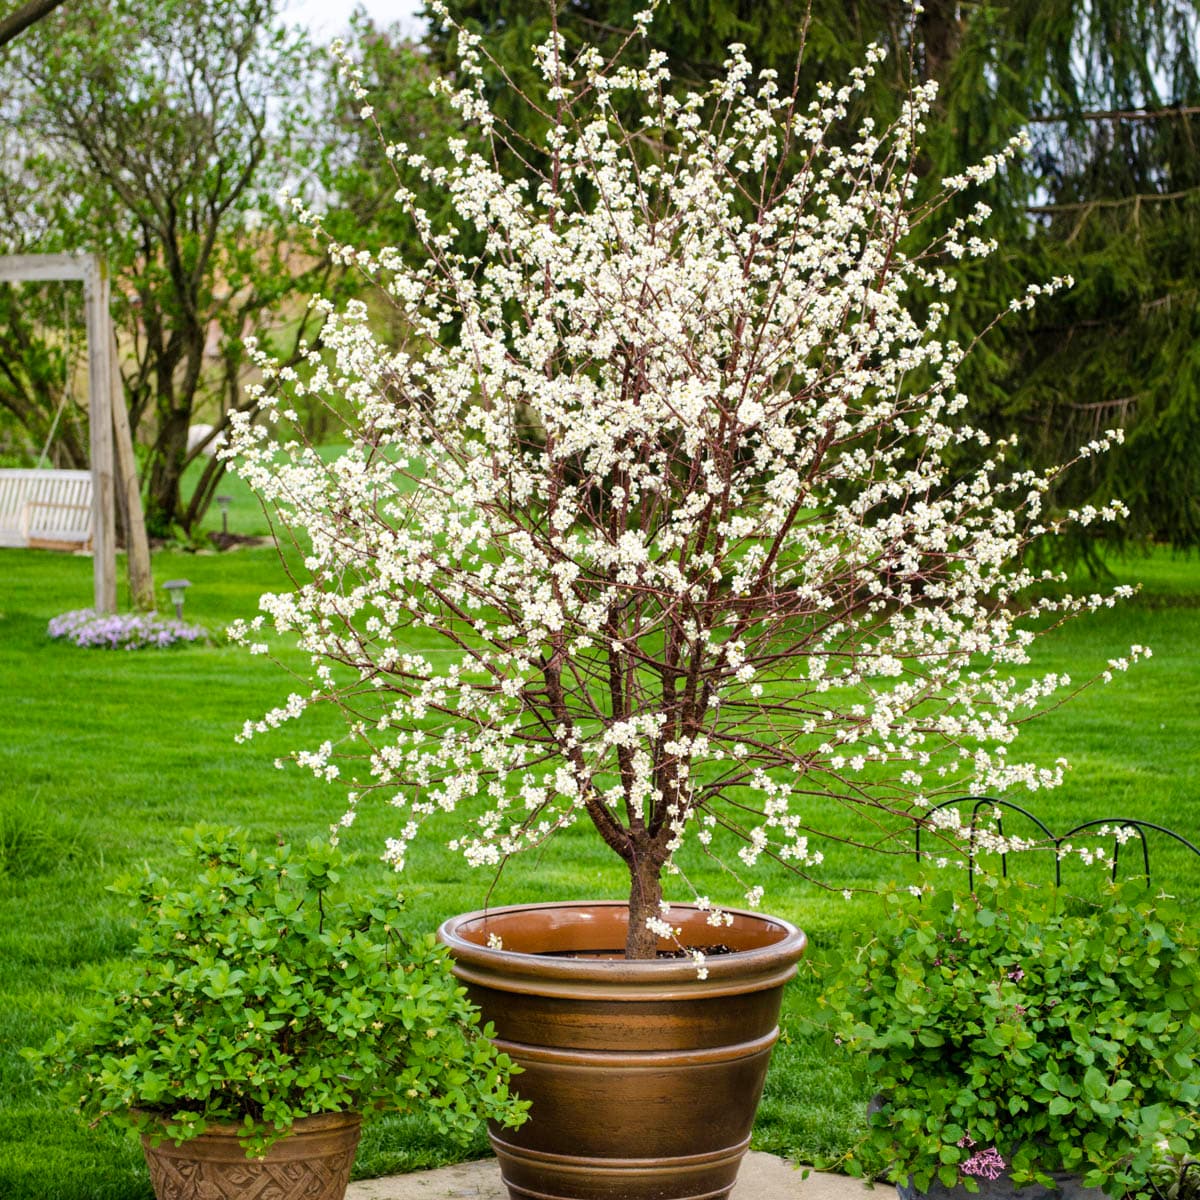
(46, 510)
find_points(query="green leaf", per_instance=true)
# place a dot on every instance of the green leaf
(181, 1038)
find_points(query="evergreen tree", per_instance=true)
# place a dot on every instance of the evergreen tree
(1110, 193)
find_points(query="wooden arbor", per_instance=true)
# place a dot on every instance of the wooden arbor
(108, 425)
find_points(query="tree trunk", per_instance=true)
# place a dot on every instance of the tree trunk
(203, 493)
(129, 498)
(645, 897)
(941, 26)
(166, 472)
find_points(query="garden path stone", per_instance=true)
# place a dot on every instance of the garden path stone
(762, 1177)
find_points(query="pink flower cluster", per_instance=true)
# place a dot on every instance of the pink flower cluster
(985, 1164)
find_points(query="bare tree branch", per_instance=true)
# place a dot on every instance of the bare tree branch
(1120, 114)
(28, 14)
(1118, 202)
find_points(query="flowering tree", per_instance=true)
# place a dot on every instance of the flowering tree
(666, 515)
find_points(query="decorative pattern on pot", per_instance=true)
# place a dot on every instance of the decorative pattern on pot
(643, 1079)
(311, 1163)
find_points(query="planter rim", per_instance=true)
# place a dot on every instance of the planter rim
(753, 969)
(315, 1123)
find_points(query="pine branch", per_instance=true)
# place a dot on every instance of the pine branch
(1121, 114)
(1141, 198)
(1121, 402)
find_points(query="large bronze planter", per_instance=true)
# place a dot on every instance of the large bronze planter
(643, 1079)
(312, 1162)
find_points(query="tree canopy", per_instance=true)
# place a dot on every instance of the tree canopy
(159, 135)
(1109, 193)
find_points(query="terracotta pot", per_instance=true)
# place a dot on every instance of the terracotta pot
(312, 1162)
(643, 1079)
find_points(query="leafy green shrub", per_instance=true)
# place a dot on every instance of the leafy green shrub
(997, 1031)
(255, 999)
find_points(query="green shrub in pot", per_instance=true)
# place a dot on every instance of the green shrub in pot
(1015, 1030)
(256, 997)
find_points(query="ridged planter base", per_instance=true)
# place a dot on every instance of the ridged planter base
(643, 1079)
(311, 1163)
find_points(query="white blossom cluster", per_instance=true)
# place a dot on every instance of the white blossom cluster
(666, 512)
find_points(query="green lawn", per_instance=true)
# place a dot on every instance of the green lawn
(105, 755)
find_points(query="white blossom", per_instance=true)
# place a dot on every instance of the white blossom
(667, 513)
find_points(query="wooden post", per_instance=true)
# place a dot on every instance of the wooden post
(90, 268)
(100, 430)
(137, 548)
(28, 268)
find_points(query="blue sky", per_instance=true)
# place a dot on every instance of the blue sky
(328, 18)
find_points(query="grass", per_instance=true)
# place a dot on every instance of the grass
(105, 755)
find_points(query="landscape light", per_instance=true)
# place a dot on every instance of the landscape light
(175, 588)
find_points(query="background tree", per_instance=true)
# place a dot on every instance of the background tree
(159, 135)
(1109, 194)
(362, 179)
(397, 74)
(34, 368)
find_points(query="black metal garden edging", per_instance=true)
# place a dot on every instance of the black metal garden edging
(1116, 823)
(1186, 1167)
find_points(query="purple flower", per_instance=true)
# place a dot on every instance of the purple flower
(122, 631)
(984, 1164)
(1016, 974)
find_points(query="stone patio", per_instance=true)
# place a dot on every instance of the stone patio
(763, 1177)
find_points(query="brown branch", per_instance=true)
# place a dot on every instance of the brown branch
(1120, 114)
(28, 14)
(1141, 198)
